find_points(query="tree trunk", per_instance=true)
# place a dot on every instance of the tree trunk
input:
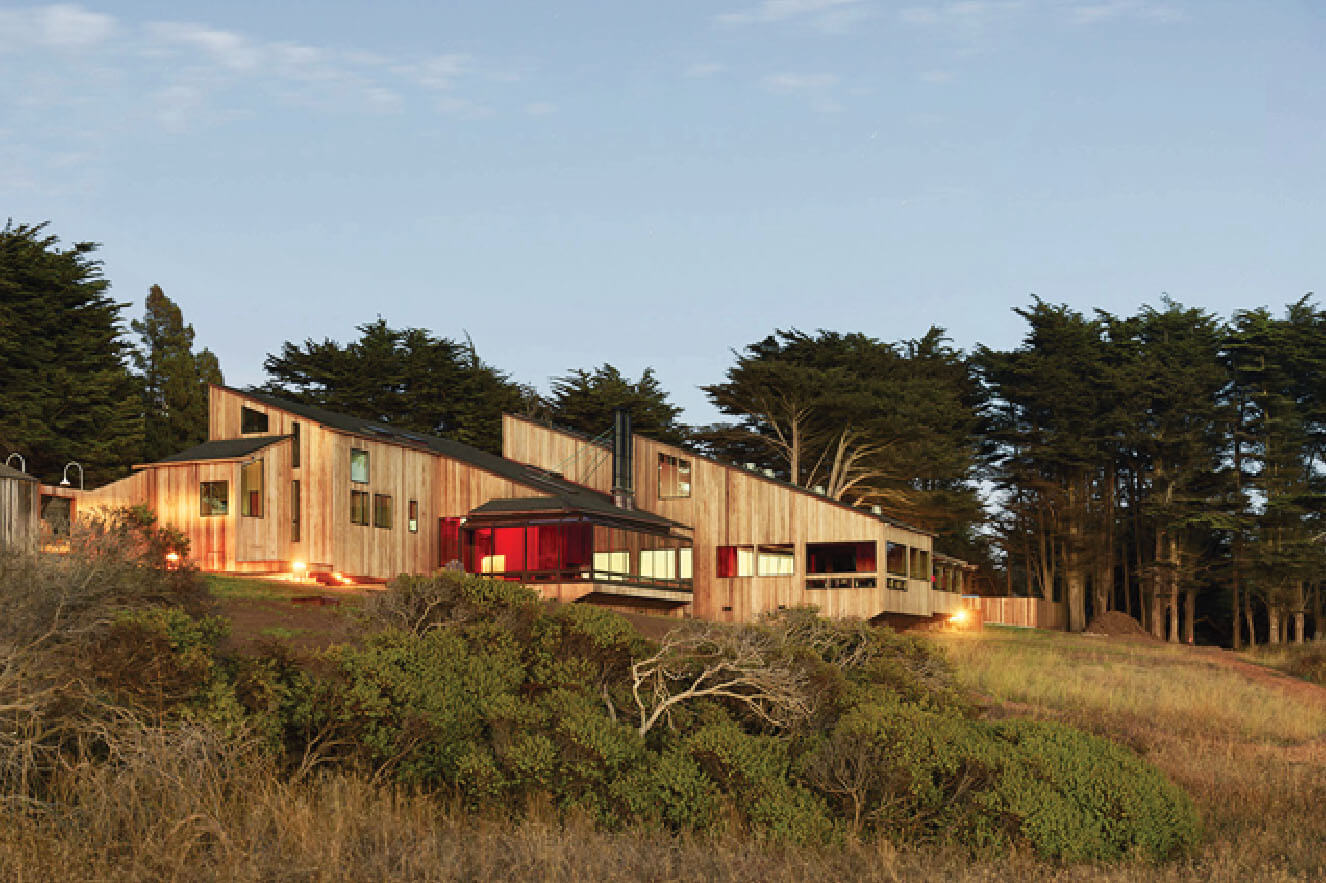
(1247, 617)
(1075, 583)
(1123, 568)
(1172, 588)
(1300, 617)
(1235, 612)
(1273, 620)
(1190, 616)
(1158, 589)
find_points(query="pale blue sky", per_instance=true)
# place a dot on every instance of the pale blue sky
(653, 184)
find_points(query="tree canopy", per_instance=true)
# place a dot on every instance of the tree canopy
(585, 400)
(66, 393)
(404, 377)
(174, 378)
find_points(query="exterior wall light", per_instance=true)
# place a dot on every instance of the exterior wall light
(22, 464)
(64, 482)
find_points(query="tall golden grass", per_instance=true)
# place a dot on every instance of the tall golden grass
(1251, 754)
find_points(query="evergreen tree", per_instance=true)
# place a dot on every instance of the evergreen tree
(585, 400)
(66, 393)
(403, 377)
(870, 422)
(174, 379)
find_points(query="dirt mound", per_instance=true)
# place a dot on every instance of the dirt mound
(1117, 624)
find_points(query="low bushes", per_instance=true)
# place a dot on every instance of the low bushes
(796, 730)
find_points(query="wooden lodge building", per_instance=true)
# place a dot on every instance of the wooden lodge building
(285, 488)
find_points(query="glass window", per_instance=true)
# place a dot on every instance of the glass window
(897, 559)
(840, 557)
(251, 420)
(774, 560)
(412, 516)
(685, 563)
(250, 489)
(658, 563)
(449, 540)
(382, 510)
(294, 446)
(735, 561)
(359, 507)
(674, 476)
(294, 511)
(920, 564)
(214, 498)
(358, 466)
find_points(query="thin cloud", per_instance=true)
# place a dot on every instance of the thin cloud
(828, 13)
(1094, 13)
(703, 69)
(540, 108)
(61, 26)
(965, 15)
(817, 89)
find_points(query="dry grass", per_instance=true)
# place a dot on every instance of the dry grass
(1252, 753)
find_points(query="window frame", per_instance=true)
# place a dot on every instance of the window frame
(379, 509)
(365, 461)
(225, 501)
(671, 464)
(362, 497)
(253, 467)
(248, 418)
(412, 516)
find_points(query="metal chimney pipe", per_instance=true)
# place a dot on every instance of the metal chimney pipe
(623, 471)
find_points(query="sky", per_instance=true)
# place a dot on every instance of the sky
(657, 184)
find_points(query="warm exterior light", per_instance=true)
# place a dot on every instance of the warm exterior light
(298, 565)
(172, 560)
(958, 618)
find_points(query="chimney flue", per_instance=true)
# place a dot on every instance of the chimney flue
(623, 483)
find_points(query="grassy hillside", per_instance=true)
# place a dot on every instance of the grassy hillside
(140, 745)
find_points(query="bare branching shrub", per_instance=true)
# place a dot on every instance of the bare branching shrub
(751, 665)
(58, 609)
(418, 604)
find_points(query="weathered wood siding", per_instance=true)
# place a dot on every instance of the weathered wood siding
(443, 487)
(1029, 612)
(20, 514)
(733, 506)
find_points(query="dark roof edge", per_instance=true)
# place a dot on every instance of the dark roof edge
(16, 474)
(778, 482)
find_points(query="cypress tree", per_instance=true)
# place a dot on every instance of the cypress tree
(66, 393)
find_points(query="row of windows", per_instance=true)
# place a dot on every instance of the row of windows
(382, 509)
(823, 558)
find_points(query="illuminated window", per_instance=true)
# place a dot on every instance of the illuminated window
(735, 561)
(358, 466)
(251, 420)
(412, 516)
(359, 507)
(774, 560)
(382, 510)
(250, 489)
(674, 476)
(214, 498)
(658, 563)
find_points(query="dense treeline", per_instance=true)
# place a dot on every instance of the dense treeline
(1168, 464)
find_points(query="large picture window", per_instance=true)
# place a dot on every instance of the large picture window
(214, 498)
(359, 507)
(250, 489)
(358, 466)
(897, 559)
(382, 510)
(674, 476)
(251, 421)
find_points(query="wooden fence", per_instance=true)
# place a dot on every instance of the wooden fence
(1030, 612)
